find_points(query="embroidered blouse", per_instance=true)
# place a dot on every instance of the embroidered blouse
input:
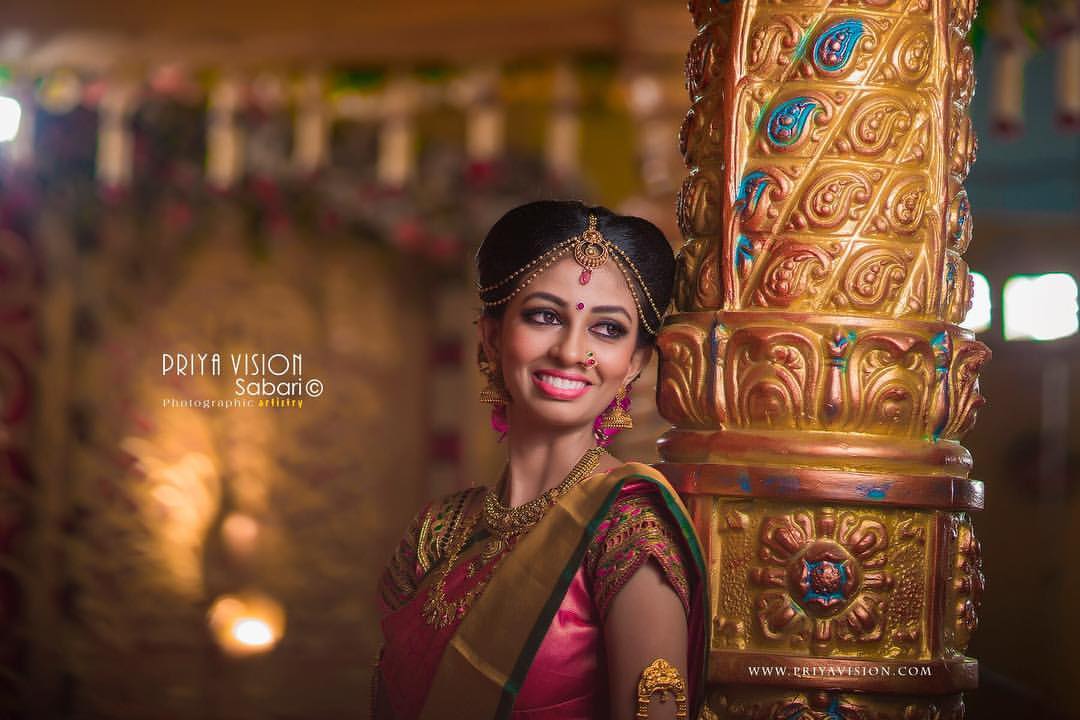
(633, 532)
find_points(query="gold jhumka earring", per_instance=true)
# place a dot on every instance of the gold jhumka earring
(494, 393)
(617, 417)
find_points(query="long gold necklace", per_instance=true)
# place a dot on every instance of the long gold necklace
(507, 524)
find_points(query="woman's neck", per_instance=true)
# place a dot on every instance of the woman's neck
(539, 463)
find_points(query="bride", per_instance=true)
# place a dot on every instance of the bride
(573, 588)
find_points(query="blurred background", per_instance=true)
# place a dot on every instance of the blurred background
(312, 179)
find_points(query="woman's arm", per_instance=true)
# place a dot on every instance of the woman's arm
(645, 621)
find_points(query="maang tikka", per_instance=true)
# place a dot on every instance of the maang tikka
(590, 250)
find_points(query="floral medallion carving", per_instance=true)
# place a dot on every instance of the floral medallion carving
(822, 578)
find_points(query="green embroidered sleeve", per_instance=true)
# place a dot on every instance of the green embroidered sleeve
(634, 531)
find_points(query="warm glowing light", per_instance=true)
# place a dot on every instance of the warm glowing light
(253, 632)
(247, 623)
(240, 533)
(10, 114)
(1040, 307)
(978, 317)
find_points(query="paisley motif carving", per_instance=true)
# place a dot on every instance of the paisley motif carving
(794, 272)
(872, 279)
(878, 124)
(745, 253)
(772, 379)
(759, 197)
(912, 54)
(773, 43)
(834, 199)
(835, 46)
(903, 209)
(787, 124)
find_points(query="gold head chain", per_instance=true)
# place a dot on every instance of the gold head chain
(590, 250)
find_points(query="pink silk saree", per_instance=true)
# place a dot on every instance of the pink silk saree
(531, 645)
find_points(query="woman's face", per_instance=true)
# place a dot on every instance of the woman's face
(541, 343)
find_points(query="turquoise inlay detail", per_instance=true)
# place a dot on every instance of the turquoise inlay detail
(963, 215)
(800, 49)
(744, 482)
(788, 121)
(874, 492)
(940, 345)
(835, 46)
(812, 594)
(750, 191)
(744, 252)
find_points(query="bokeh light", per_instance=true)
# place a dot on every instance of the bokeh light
(10, 115)
(978, 317)
(247, 623)
(1040, 307)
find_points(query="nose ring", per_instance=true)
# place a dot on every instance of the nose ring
(590, 359)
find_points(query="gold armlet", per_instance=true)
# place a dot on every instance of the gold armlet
(661, 678)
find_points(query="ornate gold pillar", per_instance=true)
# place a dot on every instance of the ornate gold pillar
(814, 372)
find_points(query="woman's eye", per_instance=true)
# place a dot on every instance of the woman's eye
(610, 329)
(542, 317)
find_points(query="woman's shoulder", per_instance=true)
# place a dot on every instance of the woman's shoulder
(437, 522)
(424, 542)
(638, 526)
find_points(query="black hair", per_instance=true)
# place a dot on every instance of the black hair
(528, 231)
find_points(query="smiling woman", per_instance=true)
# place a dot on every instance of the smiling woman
(573, 587)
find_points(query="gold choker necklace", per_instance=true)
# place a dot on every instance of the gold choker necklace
(506, 523)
